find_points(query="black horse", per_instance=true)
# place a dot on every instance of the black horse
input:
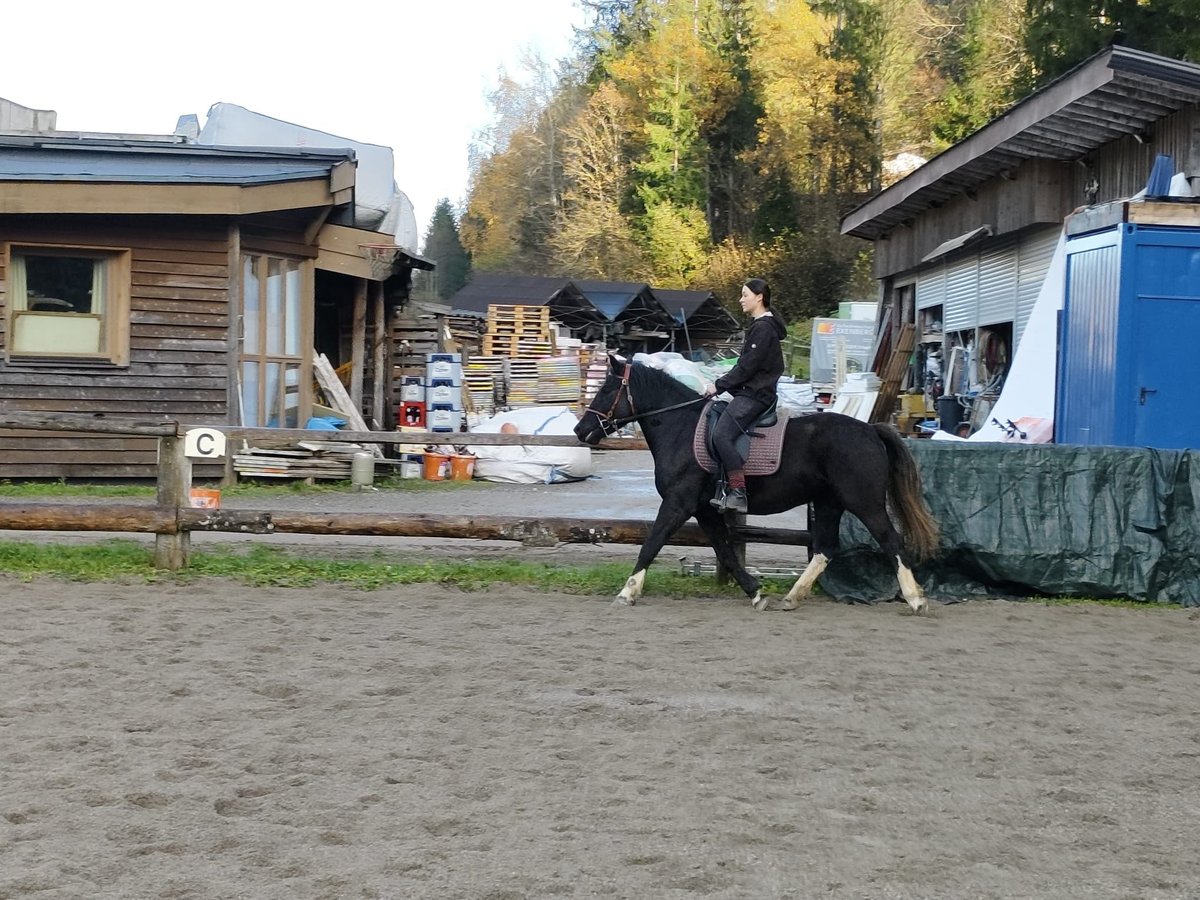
(835, 462)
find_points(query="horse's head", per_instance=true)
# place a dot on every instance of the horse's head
(611, 403)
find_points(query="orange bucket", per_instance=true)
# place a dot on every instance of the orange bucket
(436, 467)
(462, 468)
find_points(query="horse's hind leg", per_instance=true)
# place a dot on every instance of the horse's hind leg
(825, 526)
(714, 526)
(668, 520)
(890, 541)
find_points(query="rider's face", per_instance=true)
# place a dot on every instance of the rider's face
(750, 301)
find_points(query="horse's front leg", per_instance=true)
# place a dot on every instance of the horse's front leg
(715, 527)
(670, 517)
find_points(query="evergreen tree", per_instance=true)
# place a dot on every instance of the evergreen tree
(443, 246)
(1063, 33)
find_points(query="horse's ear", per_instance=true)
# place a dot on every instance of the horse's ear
(615, 361)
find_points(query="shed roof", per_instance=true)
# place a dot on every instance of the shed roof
(73, 159)
(486, 288)
(1118, 91)
(699, 308)
(612, 297)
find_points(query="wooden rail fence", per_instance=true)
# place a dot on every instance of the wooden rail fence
(172, 519)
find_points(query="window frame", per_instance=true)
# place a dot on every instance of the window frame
(114, 315)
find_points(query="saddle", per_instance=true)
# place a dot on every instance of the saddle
(762, 454)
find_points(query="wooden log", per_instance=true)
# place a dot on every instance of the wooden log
(121, 517)
(131, 518)
(98, 424)
(274, 437)
(539, 531)
(41, 421)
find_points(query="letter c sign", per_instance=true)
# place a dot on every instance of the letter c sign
(204, 443)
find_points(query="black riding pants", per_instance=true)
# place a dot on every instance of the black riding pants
(741, 412)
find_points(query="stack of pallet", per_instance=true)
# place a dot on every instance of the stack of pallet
(558, 379)
(486, 382)
(522, 382)
(518, 332)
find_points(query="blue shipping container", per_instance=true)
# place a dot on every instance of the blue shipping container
(1129, 354)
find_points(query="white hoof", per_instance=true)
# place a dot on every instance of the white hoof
(760, 602)
(786, 604)
(920, 606)
(632, 590)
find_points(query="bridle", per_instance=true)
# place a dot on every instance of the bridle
(609, 423)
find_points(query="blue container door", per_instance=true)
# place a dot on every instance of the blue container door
(1165, 411)
(1160, 395)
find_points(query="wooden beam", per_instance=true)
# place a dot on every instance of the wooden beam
(162, 199)
(380, 358)
(45, 421)
(358, 343)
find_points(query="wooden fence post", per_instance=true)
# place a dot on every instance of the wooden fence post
(174, 491)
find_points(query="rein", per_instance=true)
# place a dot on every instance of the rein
(609, 424)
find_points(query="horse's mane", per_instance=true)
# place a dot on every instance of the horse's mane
(648, 381)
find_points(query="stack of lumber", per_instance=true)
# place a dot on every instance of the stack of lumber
(518, 331)
(329, 460)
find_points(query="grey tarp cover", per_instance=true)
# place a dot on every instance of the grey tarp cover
(1023, 521)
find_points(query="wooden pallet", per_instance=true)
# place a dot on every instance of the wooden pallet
(515, 345)
(529, 315)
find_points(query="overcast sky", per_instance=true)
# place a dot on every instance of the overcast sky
(410, 75)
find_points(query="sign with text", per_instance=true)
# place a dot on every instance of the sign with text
(854, 337)
(204, 443)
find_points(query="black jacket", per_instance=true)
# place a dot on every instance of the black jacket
(758, 369)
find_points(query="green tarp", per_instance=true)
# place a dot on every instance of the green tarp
(1045, 520)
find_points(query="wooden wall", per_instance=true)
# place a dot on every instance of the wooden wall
(181, 346)
(1039, 191)
(1044, 191)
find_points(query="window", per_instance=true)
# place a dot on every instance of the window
(274, 388)
(68, 302)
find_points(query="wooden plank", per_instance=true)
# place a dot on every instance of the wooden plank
(337, 397)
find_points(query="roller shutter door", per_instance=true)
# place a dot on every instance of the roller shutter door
(931, 286)
(1034, 254)
(998, 283)
(962, 292)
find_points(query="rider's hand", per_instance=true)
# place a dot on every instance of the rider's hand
(710, 390)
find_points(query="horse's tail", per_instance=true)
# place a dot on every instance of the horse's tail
(904, 491)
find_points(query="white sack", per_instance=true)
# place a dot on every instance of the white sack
(520, 464)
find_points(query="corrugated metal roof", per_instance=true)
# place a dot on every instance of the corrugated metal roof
(1117, 92)
(146, 162)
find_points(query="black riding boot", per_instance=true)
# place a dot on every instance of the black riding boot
(718, 499)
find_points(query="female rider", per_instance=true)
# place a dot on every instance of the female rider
(752, 383)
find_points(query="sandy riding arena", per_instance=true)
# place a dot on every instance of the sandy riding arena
(212, 741)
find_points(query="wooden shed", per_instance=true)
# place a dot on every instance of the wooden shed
(166, 280)
(963, 243)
